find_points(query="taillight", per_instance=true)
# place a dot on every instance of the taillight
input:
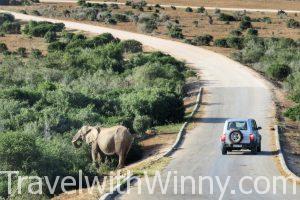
(251, 137)
(223, 138)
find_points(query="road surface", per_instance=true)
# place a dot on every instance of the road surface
(180, 6)
(231, 90)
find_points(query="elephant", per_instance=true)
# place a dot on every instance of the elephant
(105, 141)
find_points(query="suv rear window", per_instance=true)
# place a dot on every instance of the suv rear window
(239, 125)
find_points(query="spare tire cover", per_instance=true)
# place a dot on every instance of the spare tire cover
(236, 136)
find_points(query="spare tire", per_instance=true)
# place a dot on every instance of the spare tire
(236, 136)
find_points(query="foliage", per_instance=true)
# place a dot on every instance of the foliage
(200, 10)
(221, 42)
(3, 47)
(147, 23)
(292, 23)
(226, 17)
(188, 9)
(50, 36)
(202, 40)
(278, 72)
(21, 51)
(175, 31)
(10, 27)
(141, 124)
(235, 42)
(252, 32)
(245, 25)
(39, 29)
(131, 46)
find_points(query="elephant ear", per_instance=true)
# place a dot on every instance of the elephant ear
(91, 135)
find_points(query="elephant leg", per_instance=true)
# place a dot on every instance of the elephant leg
(121, 159)
(95, 153)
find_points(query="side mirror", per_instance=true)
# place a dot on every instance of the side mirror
(258, 128)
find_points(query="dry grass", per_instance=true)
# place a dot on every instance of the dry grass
(263, 4)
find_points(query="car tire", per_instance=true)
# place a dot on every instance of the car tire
(254, 150)
(224, 151)
(259, 147)
(236, 133)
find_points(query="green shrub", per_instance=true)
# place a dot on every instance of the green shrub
(39, 29)
(292, 23)
(18, 151)
(245, 25)
(111, 21)
(120, 17)
(188, 9)
(3, 47)
(35, 12)
(147, 23)
(175, 31)
(131, 46)
(278, 72)
(252, 32)
(202, 40)
(236, 33)
(246, 18)
(293, 113)
(6, 17)
(173, 7)
(200, 10)
(21, 51)
(10, 27)
(226, 17)
(235, 42)
(221, 42)
(141, 124)
(56, 46)
(50, 36)
(36, 53)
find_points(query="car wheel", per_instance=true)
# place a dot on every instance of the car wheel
(254, 150)
(236, 136)
(224, 151)
(259, 148)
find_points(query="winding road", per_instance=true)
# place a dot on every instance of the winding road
(231, 90)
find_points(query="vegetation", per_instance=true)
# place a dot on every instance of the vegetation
(175, 31)
(291, 23)
(101, 80)
(202, 40)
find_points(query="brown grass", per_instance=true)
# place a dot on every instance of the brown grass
(259, 4)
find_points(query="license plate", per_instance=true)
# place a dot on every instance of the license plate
(237, 145)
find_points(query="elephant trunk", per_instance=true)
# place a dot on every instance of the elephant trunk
(77, 138)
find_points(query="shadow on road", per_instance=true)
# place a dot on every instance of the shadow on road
(262, 153)
(211, 120)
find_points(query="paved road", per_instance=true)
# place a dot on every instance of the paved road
(231, 90)
(182, 6)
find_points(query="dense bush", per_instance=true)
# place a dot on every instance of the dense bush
(50, 36)
(3, 47)
(278, 72)
(252, 32)
(226, 17)
(235, 42)
(200, 10)
(10, 27)
(141, 124)
(132, 46)
(221, 43)
(245, 25)
(188, 9)
(39, 29)
(175, 31)
(292, 23)
(21, 51)
(236, 33)
(202, 40)
(147, 23)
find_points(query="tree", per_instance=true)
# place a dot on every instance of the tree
(175, 31)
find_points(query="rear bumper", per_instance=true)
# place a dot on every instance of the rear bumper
(238, 146)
